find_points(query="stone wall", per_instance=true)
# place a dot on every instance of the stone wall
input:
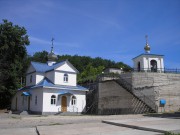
(159, 86)
(113, 96)
(114, 99)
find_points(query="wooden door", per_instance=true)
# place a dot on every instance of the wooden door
(64, 104)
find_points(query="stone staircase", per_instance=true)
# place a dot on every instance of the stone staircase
(141, 102)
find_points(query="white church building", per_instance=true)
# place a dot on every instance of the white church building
(50, 88)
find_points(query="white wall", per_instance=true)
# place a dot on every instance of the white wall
(145, 61)
(65, 67)
(138, 59)
(36, 107)
(28, 83)
(81, 101)
(19, 102)
(39, 77)
(22, 101)
(44, 100)
(59, 79)
(47, 107)
(36, 78)
(50, 76)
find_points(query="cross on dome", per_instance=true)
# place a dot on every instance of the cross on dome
(147, 47)
(52, 48)
(51, 56)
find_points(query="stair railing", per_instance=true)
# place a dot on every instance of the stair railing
(141, 96)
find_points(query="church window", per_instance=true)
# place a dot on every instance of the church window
(53, 100)
(73, 101)
(31, 79)
(35, 100)
(65, 77)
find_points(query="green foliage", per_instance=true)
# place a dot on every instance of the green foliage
(170, 133)
(13, 41)
(40, 57)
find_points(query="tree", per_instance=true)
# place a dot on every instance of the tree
(40, 57)
(13, 42)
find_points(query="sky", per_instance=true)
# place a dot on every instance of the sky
(110, 29)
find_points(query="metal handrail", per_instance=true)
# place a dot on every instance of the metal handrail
(69, 109)
(158, 70)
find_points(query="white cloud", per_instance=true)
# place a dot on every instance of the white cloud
(101, 19)
(39, 41)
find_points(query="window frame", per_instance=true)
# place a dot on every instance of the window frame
(73, 101)
(66, 78)
(53, 100)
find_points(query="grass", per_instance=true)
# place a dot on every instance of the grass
(170, 133)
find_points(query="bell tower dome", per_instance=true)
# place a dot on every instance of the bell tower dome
(147, 47)
(148, 62)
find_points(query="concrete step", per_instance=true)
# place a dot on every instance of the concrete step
(68, 113)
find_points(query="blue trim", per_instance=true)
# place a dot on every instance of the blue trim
(43, 67)
(65, 72)
(26, 94)
(64, 93)
(147, 55)
(46, 83)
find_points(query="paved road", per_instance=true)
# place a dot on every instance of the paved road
(79, 125)
(90, 129)
(159, 125)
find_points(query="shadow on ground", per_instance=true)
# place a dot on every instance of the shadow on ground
(175, 115)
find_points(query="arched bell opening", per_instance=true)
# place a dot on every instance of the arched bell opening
(153, 66)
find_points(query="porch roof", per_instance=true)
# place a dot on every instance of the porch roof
(25, 94)
(64, 93)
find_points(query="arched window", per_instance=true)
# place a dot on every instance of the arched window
(73, 101)
(53, 100)
(31, 79)
(65, 77)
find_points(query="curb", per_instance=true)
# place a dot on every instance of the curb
(134, 127)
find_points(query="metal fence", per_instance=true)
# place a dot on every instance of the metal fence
(158, 70)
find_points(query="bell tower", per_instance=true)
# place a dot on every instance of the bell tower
(147, 62)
